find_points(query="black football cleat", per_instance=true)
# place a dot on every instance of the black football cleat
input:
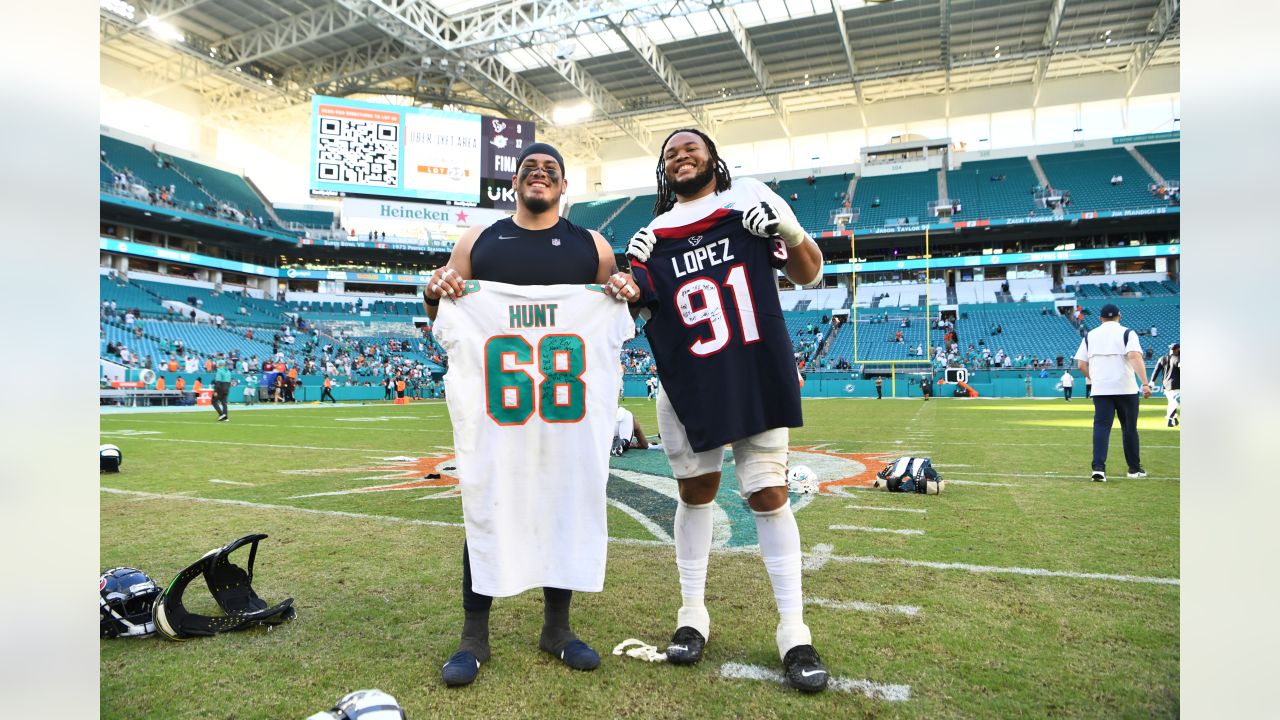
(619, 447)
(804, 669)
(686, 646)
(462, 668)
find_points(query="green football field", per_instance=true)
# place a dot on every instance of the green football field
(1023, 590)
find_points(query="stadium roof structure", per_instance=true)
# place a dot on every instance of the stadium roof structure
(640, 67)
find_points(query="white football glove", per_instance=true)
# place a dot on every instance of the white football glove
(764, 221)
(641, 244)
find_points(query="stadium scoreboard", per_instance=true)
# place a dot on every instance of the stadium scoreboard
(375, 150)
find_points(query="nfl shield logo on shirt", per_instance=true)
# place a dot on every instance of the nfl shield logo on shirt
(555, 241)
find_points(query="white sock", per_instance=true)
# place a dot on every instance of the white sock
(693, 546)
(780, 549)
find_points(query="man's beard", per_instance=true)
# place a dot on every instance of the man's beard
(538, 205)
(693, 184)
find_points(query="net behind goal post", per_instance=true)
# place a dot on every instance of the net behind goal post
(892, 316)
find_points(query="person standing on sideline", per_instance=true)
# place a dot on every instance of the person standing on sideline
(1170, 367)
(1110, 355)
(879, 388)
(534, 247)
(1030, 392)
(1068, 382)
(707, 268)
(328, 390)
(221, 389)
(250, 389)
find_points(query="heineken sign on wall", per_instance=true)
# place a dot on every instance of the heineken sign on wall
(376, 209)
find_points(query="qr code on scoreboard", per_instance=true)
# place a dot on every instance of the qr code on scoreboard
(358, 151)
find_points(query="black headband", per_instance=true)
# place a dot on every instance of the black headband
(541, 149)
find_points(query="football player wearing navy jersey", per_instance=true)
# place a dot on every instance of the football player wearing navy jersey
(706, 267)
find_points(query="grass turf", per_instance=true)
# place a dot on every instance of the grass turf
(378, 597)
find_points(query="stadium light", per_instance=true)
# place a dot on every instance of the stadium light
(569, 114)
(162, 29)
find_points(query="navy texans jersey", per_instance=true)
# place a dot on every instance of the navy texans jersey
(717, 331)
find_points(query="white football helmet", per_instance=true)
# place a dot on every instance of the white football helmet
(363, 705)
(802, 479)
(109, 458)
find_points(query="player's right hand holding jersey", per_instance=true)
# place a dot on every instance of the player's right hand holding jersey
(444, 282)
(641, 244)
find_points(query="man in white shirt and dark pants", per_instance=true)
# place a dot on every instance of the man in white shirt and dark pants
(1109, 356)
(1067, 383)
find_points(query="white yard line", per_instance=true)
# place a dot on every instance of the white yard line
(978, 482)
(885, 509)
(269, 445)
(821, 552)
(860, 528)
(231, 482)
(860, 606)
(267, 506)
(1035, 572)
(875, 691)
(1047, 475)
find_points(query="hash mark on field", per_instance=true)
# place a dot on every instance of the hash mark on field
(1036, 572)
(140, 495)
(816, 559)
(231, 482)
(860, 528)
(875, 691)
(978, 482)
(886, 509)
(863, 606)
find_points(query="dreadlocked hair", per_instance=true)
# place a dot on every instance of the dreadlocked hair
(667, 196)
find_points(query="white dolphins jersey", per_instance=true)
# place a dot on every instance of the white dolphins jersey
(532, 389)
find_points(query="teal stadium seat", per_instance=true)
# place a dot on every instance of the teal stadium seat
(149, 168)
(901, 196)
(632, 218)
(981, 197)
(1166, 158)
(592, 213)
(875, 343)
(306, 218)
(223, 185)
(1087, 176)
(1163, 313)
(1026, 330)
(814, 203)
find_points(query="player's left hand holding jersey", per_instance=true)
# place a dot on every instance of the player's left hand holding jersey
(622, 287)
(764, 221)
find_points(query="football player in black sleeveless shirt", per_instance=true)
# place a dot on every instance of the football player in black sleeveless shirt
(535, 247)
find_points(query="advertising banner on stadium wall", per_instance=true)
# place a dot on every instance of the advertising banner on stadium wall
(417, 153)
(365, 208)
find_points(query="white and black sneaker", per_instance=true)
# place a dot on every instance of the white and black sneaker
(804, 669)
(1098, 476)
(686, 646)
(619, 447)
(1137, 474)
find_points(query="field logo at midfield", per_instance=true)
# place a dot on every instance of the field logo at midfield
(412, 473)
(640, 485)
